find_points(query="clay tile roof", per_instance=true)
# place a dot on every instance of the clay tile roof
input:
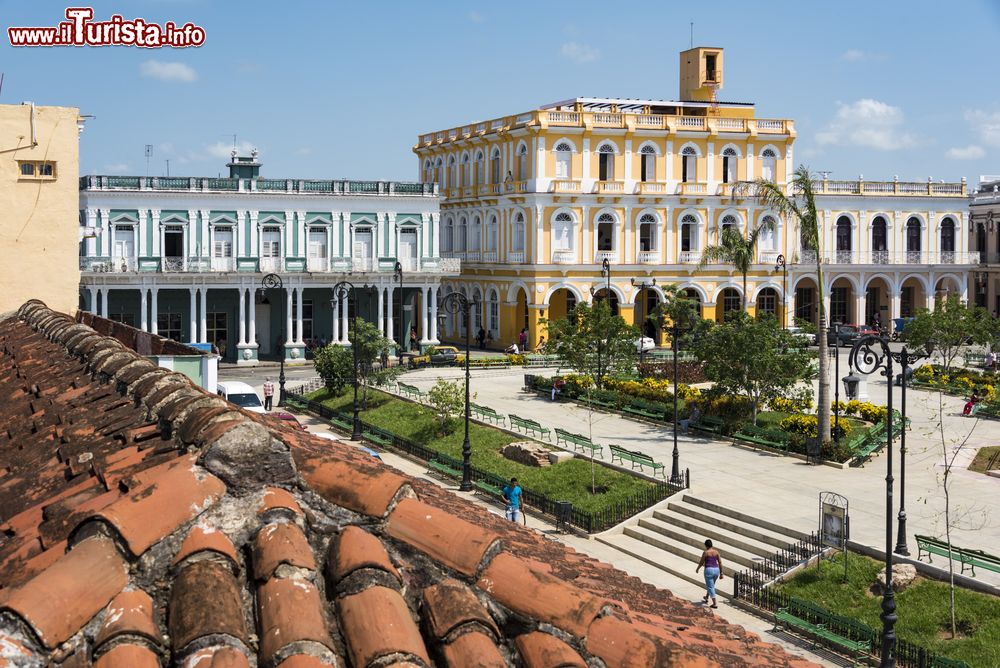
(207, 539)
(131, 498)
(57, 602)
(277, 544)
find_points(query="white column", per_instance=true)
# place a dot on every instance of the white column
(750, 171)
(710, 173)
(335, 318)
(434, 314)
(140, 233)
(93, 299)
(144, 307)
(298, 315)
(252, 304)
(424, 308)
(894, 305)
(106, 293)
(204, 314)
(254, 235)
(669, 173)
(154, 310)
(288, 317)
(106, 241)
(381, 310)
(243, 317)
(206, 245)
(389, 323)
(193, 317)
(192, 235)
(345, 330)
(300, 227)
(155, 223)
(92, 241)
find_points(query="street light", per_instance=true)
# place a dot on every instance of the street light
(675, 467)
(268, 282)
(779, 262)
(906, 359)
(643, 286)
(455, 303)
(398, 275)
(342, 293)
(871, 353)
(606, 273)
(836, 387)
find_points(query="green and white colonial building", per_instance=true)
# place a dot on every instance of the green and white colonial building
(185, 257)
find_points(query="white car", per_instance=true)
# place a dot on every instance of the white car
(804, 337)
(645, 344)
(240, 394)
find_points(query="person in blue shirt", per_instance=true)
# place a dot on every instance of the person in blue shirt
(512, 494)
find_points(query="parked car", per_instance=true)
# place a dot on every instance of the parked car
(846, 335)
(802, 336)
(645, 344)
(240, 394)
(285, 417)
(439, 356)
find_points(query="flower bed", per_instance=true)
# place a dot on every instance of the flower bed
(958, 381)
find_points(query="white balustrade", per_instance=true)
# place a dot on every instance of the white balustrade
(609, 255)
(317, 264)
(564, 256)
(691, 122)
(223, 264)
(173, 264)
(272, 264)
(649, 257)
(689, 257)
(515, 257)
(564, 117)
(489, 256)
(362, 263)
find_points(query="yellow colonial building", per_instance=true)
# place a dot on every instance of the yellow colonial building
(550, 207)
(39, 202)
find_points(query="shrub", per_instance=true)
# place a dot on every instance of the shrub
(647, 388)
(687, 372)
(870, 412)
(793, 405)
(335, 365)
(447, 399)
(516, 360)
(688, 393)
(806, 425)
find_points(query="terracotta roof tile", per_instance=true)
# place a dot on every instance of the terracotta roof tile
(201, 539)
(275, 497)
(544, 650)
(177, 492)
(619, 644)
(509, 580)
(355, 548)
(57, 602)
(280, 543)
(450, 604)
(129, 613)
(446, 538)
(307, 661)
(216, 657)
(290, 611)
(364, 489)
(473, 650)
(205, 600)
(376, 623)
(128, 656)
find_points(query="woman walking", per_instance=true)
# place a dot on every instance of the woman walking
(711, 560)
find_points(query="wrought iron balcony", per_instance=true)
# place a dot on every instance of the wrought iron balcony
(257, 185)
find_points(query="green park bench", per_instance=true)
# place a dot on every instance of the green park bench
(968, 558)
(768, 438)
(445, 466)
(711, 424)
(528, 426)
(607, 405)
(491, 488)
(535, 361)
(487, 414)
(975, 359)
(489, 363)
(377, 438)
(579, 443)
(945, 662)
(872, 442)
(637, 459)
(644, 412)
(411, 392)
(815, 622)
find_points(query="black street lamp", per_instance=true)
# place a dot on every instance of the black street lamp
(643, 286)
(268, 282)
(906, 360)
(398, 275)
(871, 353)
(779, 262)
(836, 386)
(606, 273)
(342, 294)
(455, 303)
(675, 467)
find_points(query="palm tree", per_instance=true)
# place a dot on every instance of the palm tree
(802, 206)
(737, 250)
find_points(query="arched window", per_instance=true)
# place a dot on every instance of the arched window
(477, 310)
(452, 172)
(729, 156)
(491, 234)
(767, 301)
(480, 168)
(913, 240)
(844, 240)
(647, 232)
(495, 175)
(768, 164)
(767, 241)
(729, 221)
(428, 171)
(522, 163)
(439, 172)
(466, 170)
(947, 240)
(517, 243)
(880, 241)
(731, 301)
(689, 233)
(493, 314)
(692, 294)
(475, 234)
(562, 232)
(689, 164)
(570, 302)
(606, 164)
(605, 232)
(647, 164)
(448, 236)
(564, 160)
(461, 242)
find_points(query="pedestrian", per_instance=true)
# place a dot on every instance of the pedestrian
(384, 358)
(693, 416)
(413, 339)
(711, 560)
(991, 361)
(512, 495)
(512, 349)
(268, 393)
(540, 348)
(557, 387)
(222, 347)
(522, 339)
(481, 338)
(970, 404)
(489, 338)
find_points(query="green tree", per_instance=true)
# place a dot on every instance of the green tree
(737, 250)
(951, 325)
(370, 343)
(801, 205)
(447, 398)
(593, 341)
(334, 365)
(678, 308)
(753, 357)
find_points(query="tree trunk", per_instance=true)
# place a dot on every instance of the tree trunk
(823, 396)
(746, 297)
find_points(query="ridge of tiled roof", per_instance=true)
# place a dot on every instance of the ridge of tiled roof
(145, 522)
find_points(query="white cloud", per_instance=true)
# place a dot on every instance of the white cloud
(224, 150)
(986, 124)
(476, 17)
(853, 55)
(868, 123)
(580, 53)
(164, 71)
(970, 152)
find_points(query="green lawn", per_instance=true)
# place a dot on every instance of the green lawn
(922, 608)
(983, 458)
(568, 481)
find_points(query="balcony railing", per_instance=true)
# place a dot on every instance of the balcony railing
(692, 188)
(272, 264)
(299, 186)
(472, 256)
(648, 257)
(651, 188)
(173, 264)
(890, 257)
(362, 263)
(609, 187)
(223, 264)
(563, 257)
(689, 257)
(108, 265)
(313, 264)
(408, 263)
(890, 188)
(767, 256)
(566, 186)
(609, 255)
(515, 257)
(489, 256)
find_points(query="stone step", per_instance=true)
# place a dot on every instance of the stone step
(677, 566)
(699, 532)
(729, 552)
(772, 527)
(721, 522)
(676, 548)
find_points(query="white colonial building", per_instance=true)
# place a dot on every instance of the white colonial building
(185, 258)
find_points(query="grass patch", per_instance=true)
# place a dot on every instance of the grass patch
(568, 481)
(922, 608)
(984, 457)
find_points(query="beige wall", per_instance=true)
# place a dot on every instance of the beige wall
(39, 216)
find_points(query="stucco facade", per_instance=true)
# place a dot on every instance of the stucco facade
(39, 171)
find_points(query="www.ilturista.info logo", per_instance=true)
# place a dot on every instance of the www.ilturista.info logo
(80, 30)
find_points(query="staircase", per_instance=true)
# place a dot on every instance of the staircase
(673, 539)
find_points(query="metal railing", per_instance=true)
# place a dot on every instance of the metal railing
(305, 186)
(890, 257)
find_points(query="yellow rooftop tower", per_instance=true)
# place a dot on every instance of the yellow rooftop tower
(701, 74)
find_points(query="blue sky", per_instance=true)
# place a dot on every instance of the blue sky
(336, 89)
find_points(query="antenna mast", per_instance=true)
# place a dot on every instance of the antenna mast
(149, 154)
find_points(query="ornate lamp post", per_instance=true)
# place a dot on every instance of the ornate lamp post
(455, 303)
(606, 273)
(643, 286)
(268, 282)
(906, 360)
(779, 262)
(397, 272)
(342, 293)
(675, 467)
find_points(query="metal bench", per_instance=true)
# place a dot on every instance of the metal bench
(968, 558)
(535, 361)
(710, 424)
(487, 414)
(637, 459)
(639, 411)
(520, 423)
(442, 467)
(762, 436)
(799, 615)
(411, 392)
(579, 442)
